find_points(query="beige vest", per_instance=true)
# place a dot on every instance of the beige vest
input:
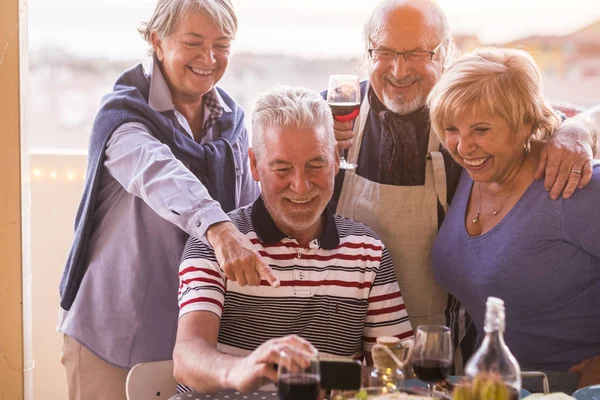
(406, 220)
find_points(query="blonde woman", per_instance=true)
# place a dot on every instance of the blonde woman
(503, 235)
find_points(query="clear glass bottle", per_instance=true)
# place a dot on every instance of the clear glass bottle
(493, 358)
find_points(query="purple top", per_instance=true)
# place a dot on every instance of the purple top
(543, 260)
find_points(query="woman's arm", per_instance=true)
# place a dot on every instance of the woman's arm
(147, 168)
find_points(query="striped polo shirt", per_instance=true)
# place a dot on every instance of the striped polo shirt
(340, 292)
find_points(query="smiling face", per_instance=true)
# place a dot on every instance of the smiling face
(193, 57)
(403, 86)
(485, 145)
(296, 172)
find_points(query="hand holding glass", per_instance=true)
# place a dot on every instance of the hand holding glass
(343, 96)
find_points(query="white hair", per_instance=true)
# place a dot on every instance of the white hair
(430, 9)
(168, 13)
(284, 107)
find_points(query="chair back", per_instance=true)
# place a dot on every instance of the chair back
(151, 380)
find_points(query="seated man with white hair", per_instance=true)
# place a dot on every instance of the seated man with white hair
(338, 288)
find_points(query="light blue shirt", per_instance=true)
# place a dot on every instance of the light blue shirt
(126, 309)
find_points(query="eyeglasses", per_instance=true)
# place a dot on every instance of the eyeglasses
(413, 56)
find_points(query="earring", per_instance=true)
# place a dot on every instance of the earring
(527, 147)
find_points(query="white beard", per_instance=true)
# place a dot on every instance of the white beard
(402, 107)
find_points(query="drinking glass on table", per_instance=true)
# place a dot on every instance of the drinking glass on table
(296, 381)
(343, 96)
(432, 354)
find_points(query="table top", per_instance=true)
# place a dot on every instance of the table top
(227, 395)
(272, 395)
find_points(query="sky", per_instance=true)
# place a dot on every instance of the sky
(307, 28)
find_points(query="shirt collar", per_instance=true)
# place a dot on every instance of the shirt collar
(268, 233)
(160, 98)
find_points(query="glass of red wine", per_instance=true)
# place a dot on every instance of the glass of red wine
(296, 381)
(432, 354)
(343, 96)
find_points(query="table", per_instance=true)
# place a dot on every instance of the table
(272, 395)
(227, 395)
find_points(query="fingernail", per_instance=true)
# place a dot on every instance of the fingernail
(547, 189)
(566, 195)
(580, 187)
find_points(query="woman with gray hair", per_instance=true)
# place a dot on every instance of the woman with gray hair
(167, 159)
(503, 235)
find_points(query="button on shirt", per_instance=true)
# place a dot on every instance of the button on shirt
(126, 309)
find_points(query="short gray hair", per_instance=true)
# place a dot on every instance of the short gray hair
(169, 12)
(430, 9)
(284, 107)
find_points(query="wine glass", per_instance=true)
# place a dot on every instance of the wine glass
(296, 381)
(432, 354)
(343, 96)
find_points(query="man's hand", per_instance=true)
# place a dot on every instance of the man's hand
(566, 160)
(237, 258)
(343, 134)
(256, 369)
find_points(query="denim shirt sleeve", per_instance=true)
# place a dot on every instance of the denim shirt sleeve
(146, 168)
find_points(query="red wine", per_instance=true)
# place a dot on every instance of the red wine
(431, 371)
(298, 387)
(343, 108)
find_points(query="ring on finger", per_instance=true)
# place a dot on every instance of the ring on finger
(576, 171)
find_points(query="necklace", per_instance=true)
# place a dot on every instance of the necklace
(475, 219)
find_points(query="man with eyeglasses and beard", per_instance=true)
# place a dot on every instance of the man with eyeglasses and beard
(405, 180)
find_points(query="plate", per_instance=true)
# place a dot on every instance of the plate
(456, 379)
(587, 393)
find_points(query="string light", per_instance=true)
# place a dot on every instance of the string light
(69, 174)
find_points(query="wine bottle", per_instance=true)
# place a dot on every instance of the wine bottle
(493, 360)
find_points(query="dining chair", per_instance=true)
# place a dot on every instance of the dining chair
(151, 380)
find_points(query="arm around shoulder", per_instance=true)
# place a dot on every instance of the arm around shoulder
(566, 159)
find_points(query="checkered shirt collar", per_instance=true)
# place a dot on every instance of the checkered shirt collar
(213, 105)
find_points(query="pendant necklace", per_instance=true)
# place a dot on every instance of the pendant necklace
(475, 219)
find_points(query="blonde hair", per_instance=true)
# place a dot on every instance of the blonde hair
(501, 82)
(284, 107)
(168, 13)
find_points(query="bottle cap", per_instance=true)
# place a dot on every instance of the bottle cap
(494, 315)
(495, 303)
